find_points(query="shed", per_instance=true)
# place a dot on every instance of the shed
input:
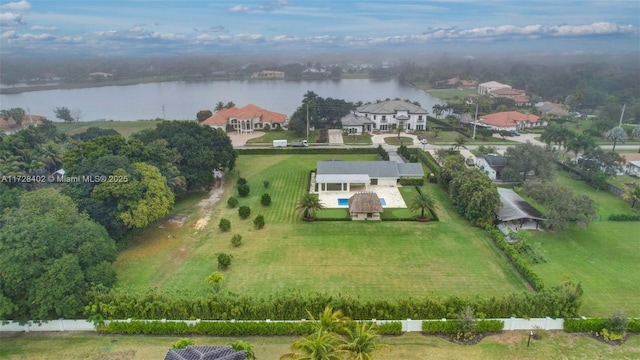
(516, 211)
(365, 206)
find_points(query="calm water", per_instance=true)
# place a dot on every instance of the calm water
(182, 100)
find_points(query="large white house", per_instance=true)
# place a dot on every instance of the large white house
(489, 86)
(389, 115)
(360, 175)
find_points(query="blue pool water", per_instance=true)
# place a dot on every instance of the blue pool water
(345, 202)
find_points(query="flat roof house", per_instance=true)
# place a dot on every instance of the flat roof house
(245, 119)
(389, 115)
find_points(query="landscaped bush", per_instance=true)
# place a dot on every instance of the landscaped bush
(258, 222)
(429, 161)
(584, 325)
(412, 182)
(224, 261)
(236, 240)
(265, 200)
(453, 326)
(225, 224)
(244, 212)
(232, 202)
(624, 217)
(243, 190)
(562, 301)
(241, 181)
(183, 343)
(236, 328)
(520, 264)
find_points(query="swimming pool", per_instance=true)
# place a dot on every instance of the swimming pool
(345, 202)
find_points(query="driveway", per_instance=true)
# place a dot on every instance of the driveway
(335, 137)
(241, 139)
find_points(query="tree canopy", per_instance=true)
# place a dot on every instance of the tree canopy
(51, 256)
(562, 207)
(527, 160)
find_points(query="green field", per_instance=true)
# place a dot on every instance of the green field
(509, 345)
(367, 259)
(604, 257)
(125, 128)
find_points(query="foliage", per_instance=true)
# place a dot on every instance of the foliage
(561, 205)
(244, 212)
(525, 159)
(50, 255)
(518, 263)
(63, 113)
(617, 134)
(183, 343)
(92, 133)
(265, 200)
(232, 202)
(597, 165)
(561, 301)
(632, 195)
(224, 260)
(618, 323)
(525, 247)
(584, 325)
(423, 201)
(258, 222)
(307, 150)
(475, 196)
(624, 217)
(243, 190)
(308, 205)
(240, 345)
(266, 183)
(466, 323)
(322, 113)
(215, 279)
(241, 181)
(224, 225)
(236, 240)
(453, 326)
(411, 182)
(203, 115)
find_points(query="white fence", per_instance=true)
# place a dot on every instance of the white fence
(408, 325)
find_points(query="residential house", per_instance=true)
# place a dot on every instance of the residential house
(365, 206)
(245, 119)
(334, 175)
(10, 124)
(391, 114)
(511, 120)
(193, 352)
(268, 75)
(485, 88)
(551, 109)
(517, 95)
(516, 213)
(457, 82)
(492, 165)
(356, 125)
(632, 164)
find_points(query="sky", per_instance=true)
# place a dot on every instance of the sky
(145, 27)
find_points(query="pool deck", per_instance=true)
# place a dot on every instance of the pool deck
(390, 194)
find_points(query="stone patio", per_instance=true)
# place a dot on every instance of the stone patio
(390, 194)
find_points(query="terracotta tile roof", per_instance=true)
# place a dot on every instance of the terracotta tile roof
(246, 112)
(631, 156)
(507, 118)
(507, 91)
(26, 121)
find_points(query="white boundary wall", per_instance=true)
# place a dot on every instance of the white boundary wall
(408, 325)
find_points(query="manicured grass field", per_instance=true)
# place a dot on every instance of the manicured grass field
(269, 136)
(509, 345)
(357, 139)
(604, 257)
(367, 259)
(397, 141)
(125, 128)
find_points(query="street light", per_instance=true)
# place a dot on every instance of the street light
(530, 335)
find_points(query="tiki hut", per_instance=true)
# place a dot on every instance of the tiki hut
(365, 206)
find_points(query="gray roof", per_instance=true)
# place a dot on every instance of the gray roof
(410, 170)
(495, 161)
(375, 169)
(514, 207)
(205, 352)
(365, 202)
(391, 107)
(355, 120)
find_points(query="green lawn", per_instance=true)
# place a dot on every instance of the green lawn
(509, 345)
(397, 141)
(125, 128)
(368, 259)
(446, 94)
(604, 257)
(269, 136)
(364, 139)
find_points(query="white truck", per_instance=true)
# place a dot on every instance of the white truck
(302, 143)
(279, 143)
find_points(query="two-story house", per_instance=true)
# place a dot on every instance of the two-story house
(391, 114)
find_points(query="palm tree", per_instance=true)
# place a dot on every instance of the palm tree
(309, 204)
(616, 134)
(636, 131)
(579, 143)
(240, 345)
(362, 342)
(331, 321)
(460, 141)
(423, 201)
(317, 346)
(632, 195)
(437, 109)
(219, 106)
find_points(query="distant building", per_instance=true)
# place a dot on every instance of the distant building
(492, 165)
(245, 119)
(10, 124)
(356, 125)
(457, 82)
(552, 109)
(511, 120)
(100, 75)
(388, 115)
(519, 96)
(268, 75)
(485, 88)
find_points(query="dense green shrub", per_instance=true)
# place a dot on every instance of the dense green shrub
(232, 202)
(226, 328)
(243, 190)
(306, 150)
(453, 326)
(584, 325)
(241, 181)
(244, 212)
(412, 182)
(265, 199)
(224, 260)
(258, 222)
(520, 264)
(624, 217)
(634, 326)
(183, 343)
(236, 240)
(224, 225)
(266, 183)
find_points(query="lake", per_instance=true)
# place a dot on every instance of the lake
(180, 100)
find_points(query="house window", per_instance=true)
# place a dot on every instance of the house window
(384, 117)
(419, 127)
(374, 117)
(384, 127)
(374, 181)
(408, 126)
(420, 117)
(369, 215)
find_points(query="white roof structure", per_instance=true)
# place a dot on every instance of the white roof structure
(514, 207)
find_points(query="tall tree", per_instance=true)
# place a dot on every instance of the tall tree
(362, 342)
(50, 261)
(63, 113)
(219, 106)
(617, 134)
(203, 115)
(578, 143)
(421, 202)
(308, 205)
(632, 195)
(525, 160)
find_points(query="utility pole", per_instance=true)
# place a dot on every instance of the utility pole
(164, 116)
(622, 115)
(475, 121)
(307, 122)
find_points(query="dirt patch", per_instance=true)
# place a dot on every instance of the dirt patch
(469, 341)
(174, 221)
(206, 205)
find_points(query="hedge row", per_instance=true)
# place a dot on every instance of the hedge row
(518, 262)
(596, 325)
(412, 182)
(447, 127)
(562, 301)
(428, 160)
(306, 150)
(238, 328)
(624, 217)
(452, 326)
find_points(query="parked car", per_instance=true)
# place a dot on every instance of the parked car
(514, 133)
(424, 141)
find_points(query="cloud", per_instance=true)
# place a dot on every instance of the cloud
(268, 7)
(9, 34)
(44, 28)
(20, 6)
(10, 19)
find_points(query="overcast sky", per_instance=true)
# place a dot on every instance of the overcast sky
(134, 27)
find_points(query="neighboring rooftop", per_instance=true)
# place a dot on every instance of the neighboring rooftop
(514, 207)
(495, 161)
(508, 118)
(246, 112)
(192, 352)
(355, 120)
(391, 107)
(361, 169)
